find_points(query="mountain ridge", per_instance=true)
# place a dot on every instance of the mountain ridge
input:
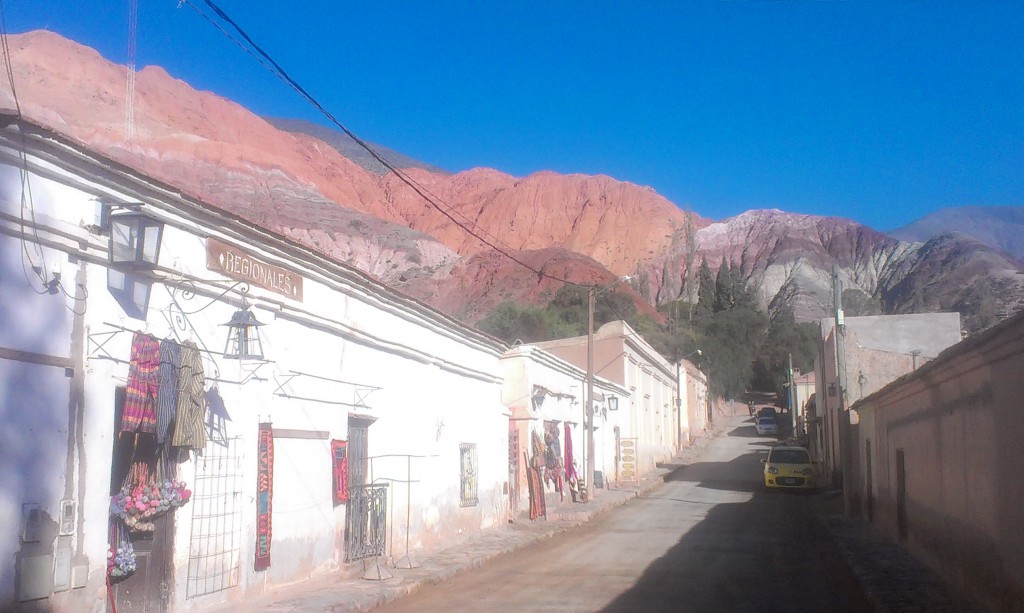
(999, 227)
(590, 228)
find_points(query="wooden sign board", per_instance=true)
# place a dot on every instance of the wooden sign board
(628, 468)
(239, 265)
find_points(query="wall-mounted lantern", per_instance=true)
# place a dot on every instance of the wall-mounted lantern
(135, 240)
(613, 403)
(243, 336)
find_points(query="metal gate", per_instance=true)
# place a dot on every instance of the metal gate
(366, 521)
(215, 545)
(513, 473)
(358, 446)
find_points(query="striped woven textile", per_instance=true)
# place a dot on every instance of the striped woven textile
(139, 413)
(167, 394)
(189, 425)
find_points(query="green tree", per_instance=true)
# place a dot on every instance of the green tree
(732, 341)
(511, 322)
(724, 298)
(785, 337)
(705, 291)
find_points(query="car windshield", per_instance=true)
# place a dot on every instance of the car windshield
(789, 456)
(766, 420)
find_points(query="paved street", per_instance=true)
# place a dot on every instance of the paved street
(709, 539)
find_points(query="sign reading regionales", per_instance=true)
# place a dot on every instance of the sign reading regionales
(239, 265)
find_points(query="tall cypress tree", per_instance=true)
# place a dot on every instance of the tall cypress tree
(705, 291)
(724, 292)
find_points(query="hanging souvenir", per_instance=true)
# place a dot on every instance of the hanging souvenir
(121, 560)
(146, 495)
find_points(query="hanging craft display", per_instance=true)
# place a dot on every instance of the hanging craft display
(538, 505)
(553, 456)
(146, 495)
(339, 469)
(264, 495)
(121, 560)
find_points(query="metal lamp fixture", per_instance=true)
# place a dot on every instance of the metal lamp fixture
(135, 240)
(244, 341)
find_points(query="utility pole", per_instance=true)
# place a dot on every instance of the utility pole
(792, 395)
(589, 416)
(845, 431)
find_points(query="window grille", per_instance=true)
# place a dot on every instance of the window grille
(213, 558)
(468, 477)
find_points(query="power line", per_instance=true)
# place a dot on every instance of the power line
(129, 98)
(26, 186)
(274, 67)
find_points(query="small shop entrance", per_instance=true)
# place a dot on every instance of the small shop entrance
(148, 589)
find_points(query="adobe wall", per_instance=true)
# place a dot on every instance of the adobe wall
(957, 424)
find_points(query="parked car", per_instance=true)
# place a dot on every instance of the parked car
(788, 467)
(767, 425)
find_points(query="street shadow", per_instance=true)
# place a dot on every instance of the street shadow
(767, 554)
(744, 431)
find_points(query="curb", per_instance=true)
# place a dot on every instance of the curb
(344, 591)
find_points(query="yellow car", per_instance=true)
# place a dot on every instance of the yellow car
(788, 467)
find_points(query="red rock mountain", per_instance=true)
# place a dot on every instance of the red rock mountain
(576, 227)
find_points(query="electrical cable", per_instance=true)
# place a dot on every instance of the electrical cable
(26, 186)
(273, 66)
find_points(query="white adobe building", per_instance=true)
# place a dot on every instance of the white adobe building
(413, 395)
(546, 398)
(650, 420)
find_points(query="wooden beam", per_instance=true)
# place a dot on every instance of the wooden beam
(35, 358)
(305, 434)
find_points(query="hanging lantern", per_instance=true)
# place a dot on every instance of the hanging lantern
(243, 336)
(135, 240)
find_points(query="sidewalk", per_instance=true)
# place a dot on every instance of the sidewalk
(892, 579)
(345, 591)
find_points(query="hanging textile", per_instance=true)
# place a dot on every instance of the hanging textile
(339, 469)
(553, 456)
(167, 393)
(139, 413)
(538, 505)
(570, 462)
(264, 494)
(539, 450)
(189, 425)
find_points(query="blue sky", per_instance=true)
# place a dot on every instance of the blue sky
(875, 110)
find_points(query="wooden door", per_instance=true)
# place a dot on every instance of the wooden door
(869, 496)
(901, 494)
(148, 589)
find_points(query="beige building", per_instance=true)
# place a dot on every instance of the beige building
(940, 459)
(878, 350)
(695, 403)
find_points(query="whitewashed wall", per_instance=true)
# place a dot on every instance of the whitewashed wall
(439, 386)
